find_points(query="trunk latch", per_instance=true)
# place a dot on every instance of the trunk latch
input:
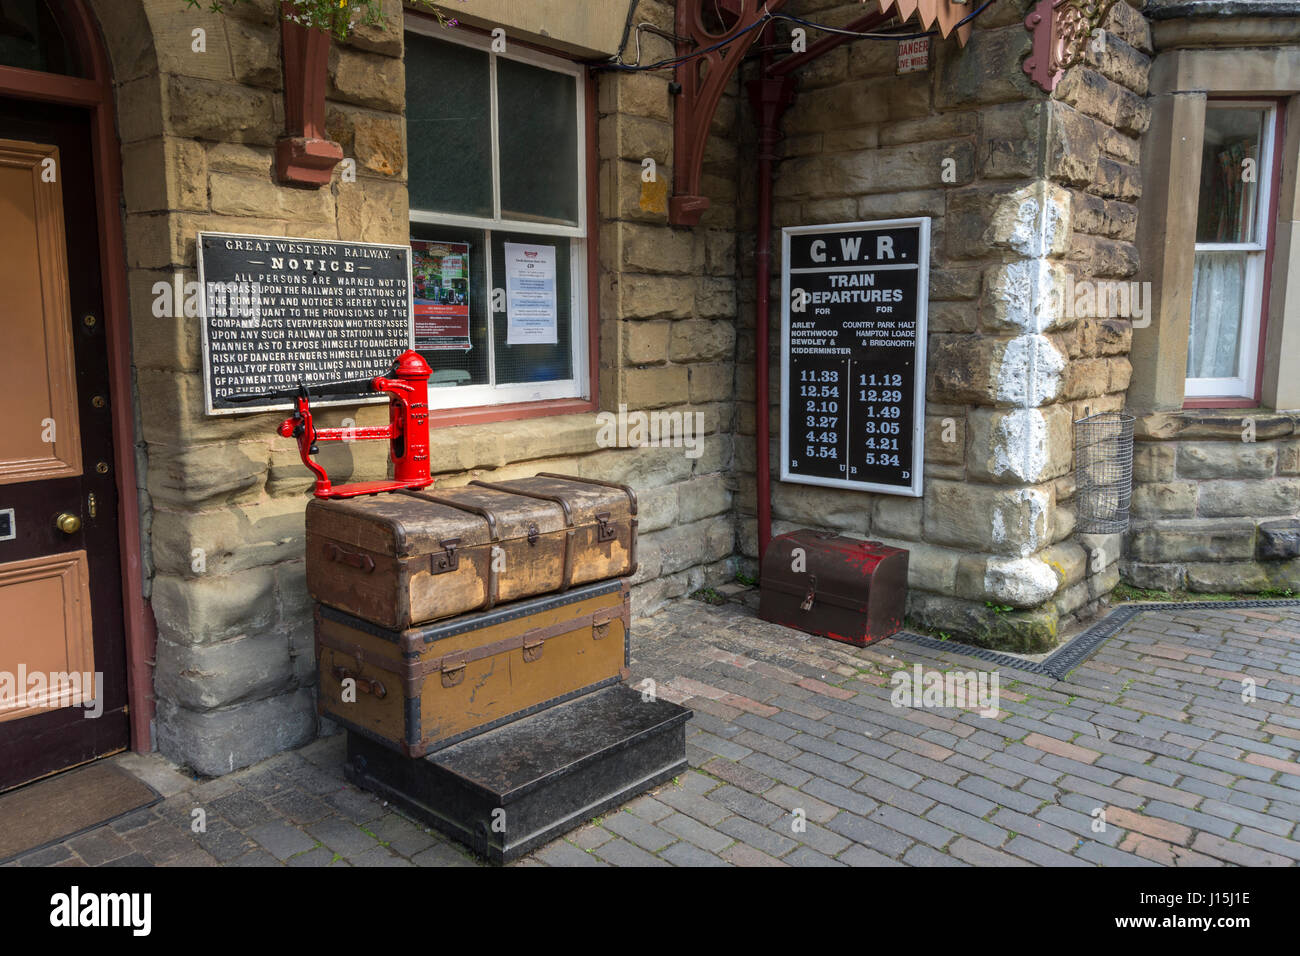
(605, 531)
(453, 674)
(449, 560)
(808, 598)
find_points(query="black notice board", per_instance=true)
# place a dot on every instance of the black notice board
(853, 334)
(277, 310)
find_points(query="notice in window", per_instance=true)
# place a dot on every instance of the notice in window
(440, 287)
(530, 295)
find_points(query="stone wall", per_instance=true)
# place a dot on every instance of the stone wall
(224, 496)
(1216, 502)
(668, 307)
(198, 119)
(1038, 188)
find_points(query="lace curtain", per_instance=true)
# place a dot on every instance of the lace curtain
(1217, 294)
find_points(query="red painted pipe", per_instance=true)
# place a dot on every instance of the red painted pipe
(770, 96)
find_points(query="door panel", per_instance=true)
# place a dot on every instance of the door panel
(60, 578)
(39, 373)
(45, 604)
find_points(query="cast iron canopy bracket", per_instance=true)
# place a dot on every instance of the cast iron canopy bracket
(1062, 30)
(702, 80)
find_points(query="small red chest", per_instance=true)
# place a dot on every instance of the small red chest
(846, 589)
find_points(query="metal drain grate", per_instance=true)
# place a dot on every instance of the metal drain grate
(1066, 658)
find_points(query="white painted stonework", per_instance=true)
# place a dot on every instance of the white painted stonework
(1019, 444)
(1022, 522)
(1022, 582)
(1030, 372)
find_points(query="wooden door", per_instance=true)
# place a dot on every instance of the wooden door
(62, 651)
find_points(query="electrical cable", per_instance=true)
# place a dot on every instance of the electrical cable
(675, 60)
(627, 28)
(651, 28)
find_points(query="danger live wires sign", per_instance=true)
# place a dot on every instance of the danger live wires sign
(914, 55)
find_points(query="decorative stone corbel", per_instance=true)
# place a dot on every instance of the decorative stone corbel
(304, 156)
(1062, 30)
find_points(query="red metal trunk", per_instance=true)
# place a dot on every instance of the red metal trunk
(842, 588)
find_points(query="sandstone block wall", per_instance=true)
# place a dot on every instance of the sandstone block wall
(224, 496)
(1038, 189)
(668, 305)
(1216, 503)
(1023, 190)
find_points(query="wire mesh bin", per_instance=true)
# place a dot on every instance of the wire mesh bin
(1103, 472)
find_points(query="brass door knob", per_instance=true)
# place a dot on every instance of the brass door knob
(68, 524)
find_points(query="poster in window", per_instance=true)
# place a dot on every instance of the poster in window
(440, 278)
(530, 295)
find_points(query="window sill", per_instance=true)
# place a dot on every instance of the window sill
(1225, 402)
(486, 414)
(495, 444)
(1216, 423)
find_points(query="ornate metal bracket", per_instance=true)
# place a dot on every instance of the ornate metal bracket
(702, 81)
(1061, 30)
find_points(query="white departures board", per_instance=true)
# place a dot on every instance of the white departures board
(853, 334)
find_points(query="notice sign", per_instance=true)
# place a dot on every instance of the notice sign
(440, 286)
(853, 326)
(530, 295)
(277, 311)
(914, 55)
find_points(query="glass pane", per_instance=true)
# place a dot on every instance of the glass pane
(1218, 296)
(30, 39)
(449, 286)
(1230, 172)
(538, 121)
(533, 336)
(448, 127)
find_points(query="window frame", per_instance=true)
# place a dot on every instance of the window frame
(1245, 390)
(491, 402)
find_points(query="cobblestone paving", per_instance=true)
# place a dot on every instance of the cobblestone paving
(799, 758)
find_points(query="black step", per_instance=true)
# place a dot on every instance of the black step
(505, 792)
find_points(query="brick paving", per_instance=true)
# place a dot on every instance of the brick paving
(798, 757)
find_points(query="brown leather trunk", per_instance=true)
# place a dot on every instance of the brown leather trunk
(421, 689)
(413, 557)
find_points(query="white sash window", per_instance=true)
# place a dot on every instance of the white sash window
(497, 184)
(1231, 244)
